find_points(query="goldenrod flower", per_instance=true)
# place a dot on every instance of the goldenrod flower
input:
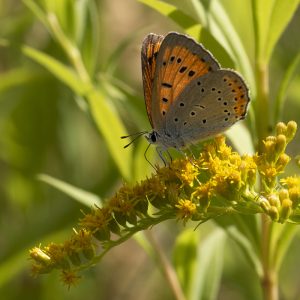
(186, 209)
(70, 278)
(220, 181)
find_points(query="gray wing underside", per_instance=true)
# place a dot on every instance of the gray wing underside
(207, 106)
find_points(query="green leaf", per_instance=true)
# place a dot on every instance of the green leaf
(61, 71)
(199, 264)
(190, 25)
(15, 77)
(241, 139)
(112, 129)
(141, 166)
(82, 196)
(244, 231)
(11, 266)
(185, 257)
(87, 33)
(282, 239)
(105, 116)
(209, 266)
(112, 61)
(221, 28)
(282, 91)
(37, 11)
(282, 13)
(270, 19)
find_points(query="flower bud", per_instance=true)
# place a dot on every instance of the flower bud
(280, 144)
(269, 148)
(294, 194)
(251, 177)
(273, 213)
(281, 128)
(39, 255)
(274, 200)
(286, 209)
(282, 161)
(265, 205)
(291, 130)
(283, 194)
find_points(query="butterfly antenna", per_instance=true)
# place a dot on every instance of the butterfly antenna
(135, 135)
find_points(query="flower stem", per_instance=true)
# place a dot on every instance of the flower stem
(262, 111)
(167, 268)
(262, 104)
(269, 280)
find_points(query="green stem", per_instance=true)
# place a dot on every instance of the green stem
(71, 50)
(262, 104)
(167, 268)
(269, 280)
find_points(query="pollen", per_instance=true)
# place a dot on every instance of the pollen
(185, 209)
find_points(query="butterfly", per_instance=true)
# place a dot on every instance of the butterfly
(188, 96)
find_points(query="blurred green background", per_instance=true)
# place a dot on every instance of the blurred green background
(47, 128)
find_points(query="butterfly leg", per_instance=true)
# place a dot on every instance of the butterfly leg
(191, 152)
(159, 151)
(170, 156)
(145, 155)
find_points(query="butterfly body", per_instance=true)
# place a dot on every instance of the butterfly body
(188, 96)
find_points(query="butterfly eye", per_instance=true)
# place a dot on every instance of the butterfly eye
(153, 138)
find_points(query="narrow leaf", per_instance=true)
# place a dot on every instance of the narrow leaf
(82, 196)
(37, 11)
(185, 257)
(241, 139)
(191, 26)
(282, 13)
(282, 91)
(206, 280)
(61, 71)
(106, 118)
(112, 129)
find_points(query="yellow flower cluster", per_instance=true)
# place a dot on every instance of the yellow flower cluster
(281, 202)
(220, 181)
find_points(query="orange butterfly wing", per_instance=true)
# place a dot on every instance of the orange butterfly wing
(180, 60)
(150, 48)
